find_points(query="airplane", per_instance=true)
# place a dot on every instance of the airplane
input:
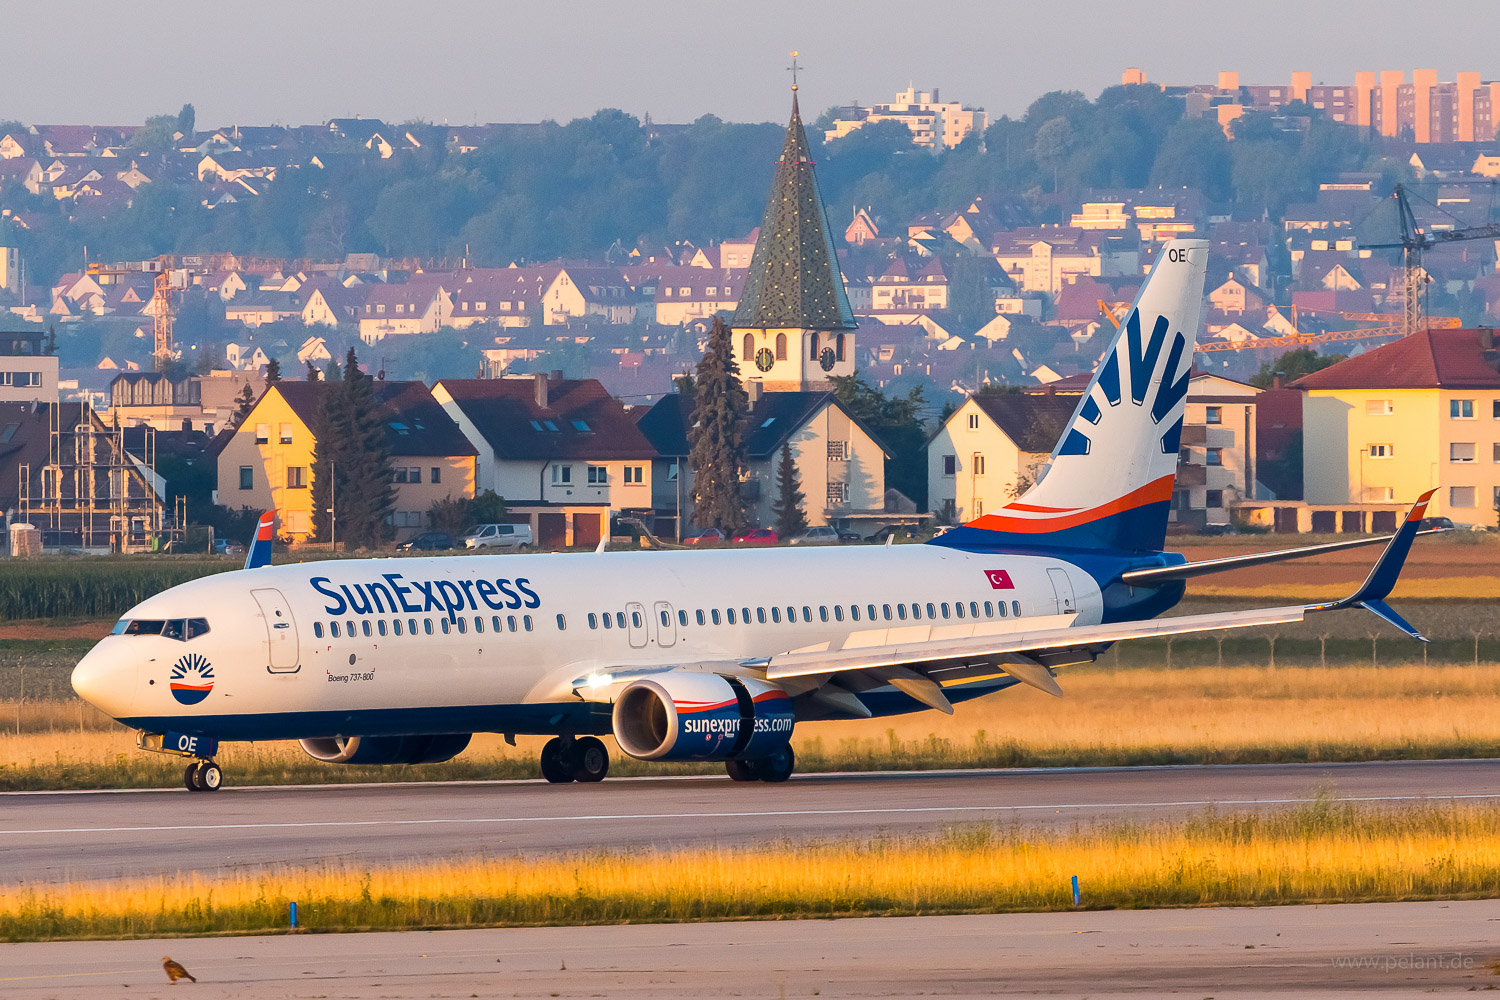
(705, 655)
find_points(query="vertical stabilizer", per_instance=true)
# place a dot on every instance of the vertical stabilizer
(1109, 484)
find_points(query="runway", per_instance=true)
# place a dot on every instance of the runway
(48, 837)
(1385, 949)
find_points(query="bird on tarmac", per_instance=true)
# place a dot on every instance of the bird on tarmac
(175, 971)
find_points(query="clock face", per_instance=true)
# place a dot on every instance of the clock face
(825, 358)
(764, 359)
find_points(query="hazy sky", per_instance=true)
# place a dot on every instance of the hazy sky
(303, 61)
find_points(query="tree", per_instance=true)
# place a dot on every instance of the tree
(313, 375)
(1291, 366)
(970, 297)
(717, 435)
(51, 349)
(244, 403)
(896, 422)
(1053, 143)
(790, 518)
(273, 372)
(186, 119)
(351, 463)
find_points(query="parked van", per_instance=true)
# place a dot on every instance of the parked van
(499, 536)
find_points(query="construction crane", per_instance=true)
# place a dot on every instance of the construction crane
(1414, 240)
(167, 281)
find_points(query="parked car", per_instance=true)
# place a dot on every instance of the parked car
(820, 534)
(1429, 523)
(709, 536)
(757, 536)
(499, 536)
(850, 536)
(228, 547)
(881, 534)
(427, 541)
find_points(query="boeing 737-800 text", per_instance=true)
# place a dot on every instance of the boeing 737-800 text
(702, 655)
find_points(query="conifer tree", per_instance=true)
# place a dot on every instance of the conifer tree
(790, 519)
(273, 372)
(244, 403)
(717, 435)
(313, 375)
(351, 463)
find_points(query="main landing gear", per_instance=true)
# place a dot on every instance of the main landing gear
(566, 759)
(774, 769)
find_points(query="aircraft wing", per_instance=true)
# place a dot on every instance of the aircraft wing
(917, 658)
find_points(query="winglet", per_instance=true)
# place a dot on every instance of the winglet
(1378, 585)
(260, 542)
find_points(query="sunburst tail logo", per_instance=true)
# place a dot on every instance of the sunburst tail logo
(192, 679)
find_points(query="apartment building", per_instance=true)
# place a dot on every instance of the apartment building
(933, 123)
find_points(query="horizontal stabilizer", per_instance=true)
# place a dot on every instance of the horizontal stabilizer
(1183, 571)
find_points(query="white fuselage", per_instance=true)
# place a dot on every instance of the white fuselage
(371, 647)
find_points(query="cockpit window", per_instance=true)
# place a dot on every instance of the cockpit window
(181, 629)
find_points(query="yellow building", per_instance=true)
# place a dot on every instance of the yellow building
(1417, 414)
(990, 450)
(266, 463)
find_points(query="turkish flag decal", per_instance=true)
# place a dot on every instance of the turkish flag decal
(999, 579)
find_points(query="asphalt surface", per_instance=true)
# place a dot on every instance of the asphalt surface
(1378, 949)
(54, 836)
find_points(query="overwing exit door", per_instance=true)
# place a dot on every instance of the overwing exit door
(1062, 587)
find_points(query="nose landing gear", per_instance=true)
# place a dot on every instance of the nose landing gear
(203, 774)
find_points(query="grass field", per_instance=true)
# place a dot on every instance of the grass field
(1124, 716)
(1321, 851)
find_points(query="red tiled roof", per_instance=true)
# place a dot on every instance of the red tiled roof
(1431, 359)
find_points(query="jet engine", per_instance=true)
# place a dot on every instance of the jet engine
(386, 749)
(680, 715)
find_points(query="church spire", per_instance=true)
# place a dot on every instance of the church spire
(794, 280)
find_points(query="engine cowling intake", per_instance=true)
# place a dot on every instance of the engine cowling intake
(690, 716)
(386, 749)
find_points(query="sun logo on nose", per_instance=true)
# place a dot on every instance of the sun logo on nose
(192, 679)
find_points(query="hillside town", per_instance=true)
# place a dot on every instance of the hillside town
(190, 376)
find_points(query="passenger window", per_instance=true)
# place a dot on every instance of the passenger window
(562, 624)
(715, 615)
(411, 625)
(593, 620)
(478, 625)
(699, 615)
(619, 619)
(1000, 606)
(729, 613)
(666, 619)
(511, 621)
(1015, 607)
(887, 609)
(776, 616)
(380, 626)
(973, 609)
(958, 608)
(445, 626)
(932, 611)
(854, 611)
(609, 620)
(682, 617)
(873, 616)
(463, 626)
(745, 615)
(791, 615)
(760, 615)
(916, 612)
(823, 612)
(838, 612)
(901, 611)
(635, 618)
(317, 630)
(427, 625)
(806, 613)
(333, 627)
(197, 627)
(945, 609)
(527, 620)
(365, 627)
(396, 625)
(350, 629)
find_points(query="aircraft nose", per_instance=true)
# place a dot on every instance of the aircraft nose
(105, 682)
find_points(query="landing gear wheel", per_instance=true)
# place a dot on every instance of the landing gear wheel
(554, 766)
(778, 767)
(742, 770)
(203, 776)
(589, 759)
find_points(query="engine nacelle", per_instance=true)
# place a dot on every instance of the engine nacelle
(689, 716)
(386, 749)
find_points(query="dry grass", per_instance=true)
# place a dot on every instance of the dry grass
(1446, 588)
(1321, 851)
(1126, 716)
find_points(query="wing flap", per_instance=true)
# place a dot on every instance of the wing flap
(1036, 641)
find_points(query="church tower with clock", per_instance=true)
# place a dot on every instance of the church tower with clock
(793, 325)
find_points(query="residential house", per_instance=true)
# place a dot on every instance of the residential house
(991, 449)
(27, 372)
(205, 403)
(1045, 258)
(562, 452)
(505, 297)
(589, 291)
(421, 305)
(266, 462)
(326, 302)
(1420, 413)
(694, 293)
(840, 462)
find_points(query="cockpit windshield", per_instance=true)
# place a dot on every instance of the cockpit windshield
(181, 629)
